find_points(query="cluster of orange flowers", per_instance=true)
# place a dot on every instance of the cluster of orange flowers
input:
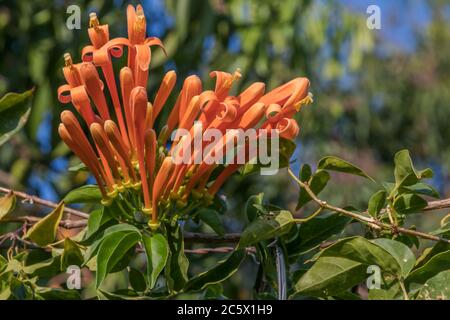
(126, 153)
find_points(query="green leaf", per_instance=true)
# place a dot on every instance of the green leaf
(251, 211)
(14, 111)
(7, 204)
(330, 276)
(92, 249)
(401, 253)
(212, 219)
(157, 252)
(112, 249)
(266, 227)
(405, 173)
(376, 203)
(71, 255)
(44, 231)
(409, 203)
(84, 194)
(313, 232)
(177, 263)
(438, 263)
(344, 264)
(429, 253)
(137, 280)
(336, 164)
(305, 172)
(421, 188)
(317, 183)
(436, 288)
(362, 250)
(97, 219)
(220, 272)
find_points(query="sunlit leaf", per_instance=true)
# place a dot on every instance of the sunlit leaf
(7, 204)
(112, 249)
(44, 231)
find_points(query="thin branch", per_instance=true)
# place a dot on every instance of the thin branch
(437, 205)
(34, 199)
(67, 224)
(371, 222)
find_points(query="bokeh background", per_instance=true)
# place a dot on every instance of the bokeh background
(375, 91)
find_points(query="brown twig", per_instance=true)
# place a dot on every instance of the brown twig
(371, 222)
(34, 199)
(67, 224)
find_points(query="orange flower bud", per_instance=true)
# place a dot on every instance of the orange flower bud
(161, 179)
(163, 93)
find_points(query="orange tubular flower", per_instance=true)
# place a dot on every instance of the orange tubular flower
(129, 160)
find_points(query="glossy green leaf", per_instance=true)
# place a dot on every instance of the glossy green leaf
(438, 263)
(364, 251)
(93, 249)
(429, 253)
(409, 203)
(376, 203)
(97, 219)
(317, 183)
(212, 219)
(44, 231)
(220, 272)
(112, 249)
(344, 264)
(336, 164)
(157, 252)
(266, 227)
(330, 276)
(14, 112)
(401, 253)
(84, 194)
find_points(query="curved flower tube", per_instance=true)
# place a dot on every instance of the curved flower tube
(130, 161)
